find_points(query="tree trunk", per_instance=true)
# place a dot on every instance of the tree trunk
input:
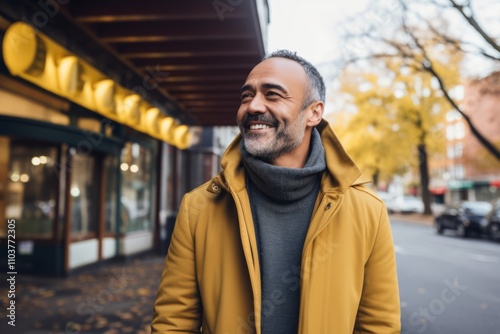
(424, 177)
(375, 177)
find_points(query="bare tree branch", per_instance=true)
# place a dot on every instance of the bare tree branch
(457, 44)
(409, 48)
(472, 21)
(428, 66)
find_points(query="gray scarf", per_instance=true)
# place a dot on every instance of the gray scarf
(286, 184)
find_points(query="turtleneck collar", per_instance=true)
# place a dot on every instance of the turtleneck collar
(286, 184)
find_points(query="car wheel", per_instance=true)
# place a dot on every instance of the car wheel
(439, 227)
(495, 232)
(461, 230)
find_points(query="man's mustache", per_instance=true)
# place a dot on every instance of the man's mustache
(261, 118)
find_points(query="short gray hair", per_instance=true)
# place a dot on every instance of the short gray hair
(316, 84)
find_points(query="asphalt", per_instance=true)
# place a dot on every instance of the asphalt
(111, 298)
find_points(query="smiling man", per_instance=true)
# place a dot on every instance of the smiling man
(286, 239)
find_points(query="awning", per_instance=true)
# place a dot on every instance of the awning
(188, 58)
(438, 190)
(495, 183)
(460, 184)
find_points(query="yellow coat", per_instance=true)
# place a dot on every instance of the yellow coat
(211, 281)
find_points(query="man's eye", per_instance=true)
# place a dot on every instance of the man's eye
(245, 96)
(272, 94)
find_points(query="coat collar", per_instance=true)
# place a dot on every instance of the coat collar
(343, 172)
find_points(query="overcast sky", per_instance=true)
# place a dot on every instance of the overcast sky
(310, 28)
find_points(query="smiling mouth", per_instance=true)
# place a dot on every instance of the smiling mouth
(259, 126)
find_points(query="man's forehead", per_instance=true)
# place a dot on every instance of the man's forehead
(278, 69)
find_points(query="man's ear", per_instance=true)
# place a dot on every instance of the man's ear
(315, 113)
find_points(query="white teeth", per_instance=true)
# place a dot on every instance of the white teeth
(259, 126)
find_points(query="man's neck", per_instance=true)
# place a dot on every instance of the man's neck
(297, 158)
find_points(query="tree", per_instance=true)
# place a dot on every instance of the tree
(409, 38)
(399, 114)
(370, 130)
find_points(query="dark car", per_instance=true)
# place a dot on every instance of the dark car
(491, 223)
(464, 219)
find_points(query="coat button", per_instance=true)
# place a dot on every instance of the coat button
(328, 206)
(215, 187)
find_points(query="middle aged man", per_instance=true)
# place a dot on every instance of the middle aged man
(285, 239)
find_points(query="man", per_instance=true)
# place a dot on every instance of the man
(285, 239)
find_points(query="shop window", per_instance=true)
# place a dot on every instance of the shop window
(83, 195)
(136, 167)
(28, 187)
(111, 183)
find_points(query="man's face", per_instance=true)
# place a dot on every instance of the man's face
(270, 117)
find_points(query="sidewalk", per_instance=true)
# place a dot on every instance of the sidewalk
(415, 218)
(114, 298)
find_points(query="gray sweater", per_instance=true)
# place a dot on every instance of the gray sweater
(282, 202)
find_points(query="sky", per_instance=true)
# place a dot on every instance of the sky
(310, 27)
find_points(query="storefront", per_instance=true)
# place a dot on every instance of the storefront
(79, 170)
(80, 188)
(474, 190)
(100, 133)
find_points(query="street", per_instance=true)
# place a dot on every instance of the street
(447, 284)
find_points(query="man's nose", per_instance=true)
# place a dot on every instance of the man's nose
(257, 105)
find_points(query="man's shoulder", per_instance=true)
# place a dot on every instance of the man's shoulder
(364, 195)
(365, 192)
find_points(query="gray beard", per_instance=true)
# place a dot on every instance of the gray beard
(282, 144)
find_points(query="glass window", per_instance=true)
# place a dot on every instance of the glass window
(459, 171)
(459, 130)
(451, 152)
(83, 195)
(450, 133)
(453, 115)
(28, 187)
(459, 148)
(136, 166)
(111, 182)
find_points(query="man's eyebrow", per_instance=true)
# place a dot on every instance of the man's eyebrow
(245, 87)
(266, 86)
(275, 86)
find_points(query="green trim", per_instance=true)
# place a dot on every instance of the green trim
(460, 184)
(482, 183)
(86, 141)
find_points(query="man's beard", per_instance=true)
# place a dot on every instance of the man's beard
(287, 137)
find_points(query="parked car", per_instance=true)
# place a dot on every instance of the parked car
(464, 218)
(405, 204)
(491, 223)
(385, 196)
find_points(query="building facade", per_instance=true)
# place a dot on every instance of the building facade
(467, 171)
(97, 150)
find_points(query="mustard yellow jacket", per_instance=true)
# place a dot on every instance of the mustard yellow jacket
(211, 281)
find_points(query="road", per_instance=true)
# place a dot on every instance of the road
(447, 284)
